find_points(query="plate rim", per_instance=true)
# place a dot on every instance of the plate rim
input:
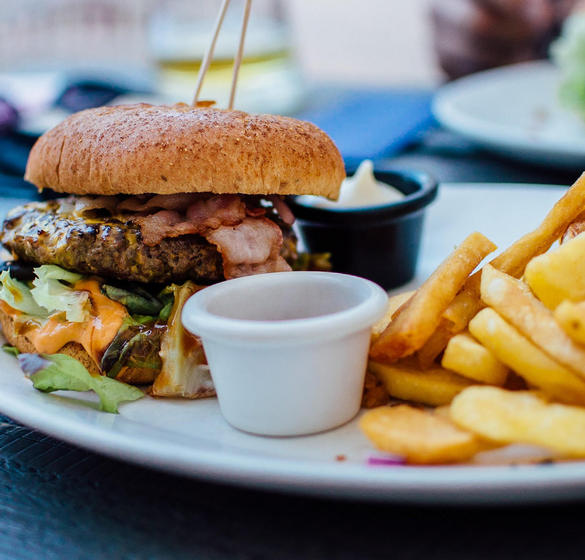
(528, 483)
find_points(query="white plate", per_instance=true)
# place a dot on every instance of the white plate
(192, 439)
(514, 111)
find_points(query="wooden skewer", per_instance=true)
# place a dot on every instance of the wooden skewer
(209, 53)
(238, 59)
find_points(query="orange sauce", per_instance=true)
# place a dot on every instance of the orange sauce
(9, 310)
(94, 334)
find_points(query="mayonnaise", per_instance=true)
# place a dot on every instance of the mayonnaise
(359, 190)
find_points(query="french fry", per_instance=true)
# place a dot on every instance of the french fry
(469, 358)
(422, 313)
(559, 274)
(520, 417)
(514, 301)
(394, 304)
(526, 359)
(518, 341)
(430, 350)
(465, 304)
(571, 318)
(397, 303)
(514, 259)
(432, 387)
(420, 436)
(443, 411)
(576, 227)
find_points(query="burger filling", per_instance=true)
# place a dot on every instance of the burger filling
(159, 238)
(111, 274)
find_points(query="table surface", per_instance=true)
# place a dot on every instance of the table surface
(57, 501)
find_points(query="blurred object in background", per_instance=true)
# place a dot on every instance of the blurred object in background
(73, 34)
(373, 124)
(180, 32)
(474, 35)
(377, 42)
(60, 56)
(8, 117)
(47, 46)
(371, 66)
(54, 56)
(568, 53)
(51, 50)
(365, 43)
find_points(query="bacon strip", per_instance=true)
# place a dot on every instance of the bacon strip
(251, 247)
(202, 216)
(166, 223)
(282, 208)
(84, 204)
(227, 210)
(176, 202)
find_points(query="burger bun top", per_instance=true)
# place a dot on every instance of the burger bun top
(142, 148)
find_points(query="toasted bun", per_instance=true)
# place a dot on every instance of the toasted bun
(136, 149)
(19, 340)
(23, 344)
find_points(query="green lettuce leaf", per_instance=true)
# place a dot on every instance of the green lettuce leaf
(167, 297)
(57, 372)
(568, 53)
(165, 312)
(12, 350)
(53, 294)
(138, 301)
(18, 295)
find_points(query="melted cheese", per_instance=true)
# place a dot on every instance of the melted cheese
(94, 335)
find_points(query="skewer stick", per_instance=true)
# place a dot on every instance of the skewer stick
(238, 59)
(209, 53)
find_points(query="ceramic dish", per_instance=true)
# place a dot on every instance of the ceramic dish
(381, 242)
(288, 350)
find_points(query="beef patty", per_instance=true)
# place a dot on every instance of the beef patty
(40, 234)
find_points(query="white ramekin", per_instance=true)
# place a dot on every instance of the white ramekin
(287, 351)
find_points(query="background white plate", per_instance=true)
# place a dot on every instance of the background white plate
(191, 438)
(515, 112)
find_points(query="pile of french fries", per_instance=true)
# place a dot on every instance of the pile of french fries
(495, 354)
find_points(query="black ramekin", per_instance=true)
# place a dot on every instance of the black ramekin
(380, 243)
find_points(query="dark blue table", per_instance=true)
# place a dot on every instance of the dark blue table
(58, 502)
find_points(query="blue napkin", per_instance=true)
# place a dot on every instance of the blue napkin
(374, 124)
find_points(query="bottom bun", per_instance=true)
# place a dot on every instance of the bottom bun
(134, 376)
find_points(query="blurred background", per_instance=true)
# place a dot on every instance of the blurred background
(364, 70)
(157, 45)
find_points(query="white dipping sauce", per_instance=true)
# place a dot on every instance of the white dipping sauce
(358, 191)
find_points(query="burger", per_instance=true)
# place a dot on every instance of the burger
(155, 203)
